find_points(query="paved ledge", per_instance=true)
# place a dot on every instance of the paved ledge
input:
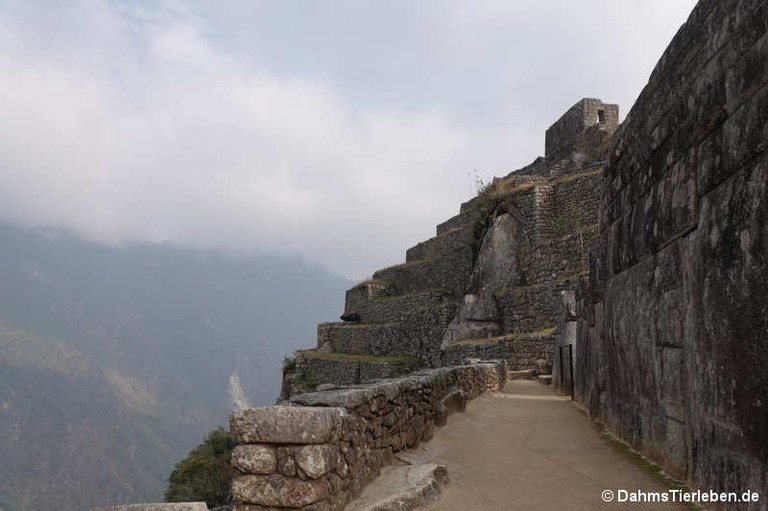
(180, 506)
(402, 488)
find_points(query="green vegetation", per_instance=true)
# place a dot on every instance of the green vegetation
(644, 463)
(417, 262)
(544, 332)
(205, 474)
(384, 359)
(308, 383)
(117, 354)
(579, 175)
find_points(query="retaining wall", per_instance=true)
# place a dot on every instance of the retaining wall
(319, 453)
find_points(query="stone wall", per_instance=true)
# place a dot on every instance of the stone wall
(520, 352)
(535, 307)
(563, 135)
(672, 352)
(321, 452)
(493, 270)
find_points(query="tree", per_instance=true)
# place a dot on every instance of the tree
(205, 474)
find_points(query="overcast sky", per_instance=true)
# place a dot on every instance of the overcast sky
(339, 130)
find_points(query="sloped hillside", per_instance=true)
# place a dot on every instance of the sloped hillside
(115, 362)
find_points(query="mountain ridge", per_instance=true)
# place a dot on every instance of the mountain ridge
(115, 361)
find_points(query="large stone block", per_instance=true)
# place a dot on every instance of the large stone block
(277, 490)
(286, 425)
(255, 459)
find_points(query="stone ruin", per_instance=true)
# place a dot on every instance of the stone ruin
(489, 284)
(642, 247)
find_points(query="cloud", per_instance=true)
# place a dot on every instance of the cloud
(137, 122)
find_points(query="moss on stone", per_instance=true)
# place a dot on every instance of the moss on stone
(644, 463)
(409, 264)
(579, 175)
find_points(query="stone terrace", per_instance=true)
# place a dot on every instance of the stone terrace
(489, 281)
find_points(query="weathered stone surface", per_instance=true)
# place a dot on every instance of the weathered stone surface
(403, 488)
(671, 350)
(454, 401)
(496, 268)
(179, 506)
(314, 460)
(286, 424)
(277, 490)
(565, 135)
(254, 458)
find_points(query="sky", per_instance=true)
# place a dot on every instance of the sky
(341, 131)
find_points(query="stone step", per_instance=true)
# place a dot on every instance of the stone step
(359, 295)
(525, 374)
(535, 307)
(450, 271)
(314, 368)
(445, 243)
(385, 309)
(468, 217)
(520, 350)
(402, 488)
(358, 338)
(418, 333)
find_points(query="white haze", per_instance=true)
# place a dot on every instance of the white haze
(340, 131)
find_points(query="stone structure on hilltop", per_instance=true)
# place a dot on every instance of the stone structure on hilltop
(567, 135)
(672, 347)
(654, 265)
(489, 284)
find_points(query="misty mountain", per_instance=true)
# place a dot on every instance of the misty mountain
(115, 362)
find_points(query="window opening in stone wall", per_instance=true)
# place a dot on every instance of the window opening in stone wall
(601, 116)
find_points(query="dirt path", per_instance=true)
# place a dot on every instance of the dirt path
(526, 448)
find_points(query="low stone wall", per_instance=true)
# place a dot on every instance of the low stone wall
(320, 452)
(342, 369)
(536, 307)
(180, 506)
(520, 352)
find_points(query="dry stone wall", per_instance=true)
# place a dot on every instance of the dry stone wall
(322, 450)
(672, 352)
(494, 271)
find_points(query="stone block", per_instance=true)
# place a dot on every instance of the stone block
(255, 459)
(277, 490)
(286, 425)
(314, 460)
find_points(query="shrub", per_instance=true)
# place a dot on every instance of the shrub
(205, 474)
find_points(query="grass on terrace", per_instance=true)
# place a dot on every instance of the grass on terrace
(350, 357)
(539, 334)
